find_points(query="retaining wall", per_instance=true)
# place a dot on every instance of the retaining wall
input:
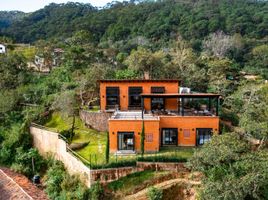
(49, 142)
(96, 120)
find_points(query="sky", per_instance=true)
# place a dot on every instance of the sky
(33, 5)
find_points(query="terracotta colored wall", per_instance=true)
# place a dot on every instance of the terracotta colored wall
(151, 127)
(170, 87)
(191, 123)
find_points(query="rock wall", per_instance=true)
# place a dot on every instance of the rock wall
(162, 166)
(108, 175)
(96, 120)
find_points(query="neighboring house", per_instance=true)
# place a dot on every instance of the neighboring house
(46, 65)
(2, 49)
(170, 118)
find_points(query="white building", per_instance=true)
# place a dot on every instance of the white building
(2, 49)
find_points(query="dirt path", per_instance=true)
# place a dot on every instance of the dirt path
(141, 195)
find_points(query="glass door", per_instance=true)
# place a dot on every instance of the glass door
(169, 136)
(125, 141)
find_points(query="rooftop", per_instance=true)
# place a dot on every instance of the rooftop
(133, 115)
(140, 80)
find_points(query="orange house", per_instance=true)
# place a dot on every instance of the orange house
(168, 117)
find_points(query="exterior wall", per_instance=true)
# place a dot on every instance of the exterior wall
(189, 122)
(170, 87)
(48, 142)
(150, 126)
(96, 120)
(155, 127)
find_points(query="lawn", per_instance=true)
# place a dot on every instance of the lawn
(96, 147)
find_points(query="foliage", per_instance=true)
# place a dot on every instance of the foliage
(142, 138)
(155, 193)
(61, 185)
(96, 192)
(107, 148)
(28, 163)
(232, 170)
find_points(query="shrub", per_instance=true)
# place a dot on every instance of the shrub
(68, 134)
(96, 192)
(154, 193)
(24, 162)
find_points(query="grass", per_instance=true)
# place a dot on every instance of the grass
(130, 182)
(96, 139)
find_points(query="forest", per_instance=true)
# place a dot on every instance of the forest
(218, 46)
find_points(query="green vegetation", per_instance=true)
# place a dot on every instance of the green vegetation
(155, 194)
(212, 46)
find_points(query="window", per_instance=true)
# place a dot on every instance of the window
(134, 96)
(125, 141)
(112, 96)
(169, 136)
(203, 135)
(186, 133)
(158, 90)
(157, 103)
(149, 137)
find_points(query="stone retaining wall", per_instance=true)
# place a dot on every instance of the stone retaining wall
(108, 175)
(96, 120)
(162, 166)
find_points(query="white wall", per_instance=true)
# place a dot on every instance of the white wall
(48, 142)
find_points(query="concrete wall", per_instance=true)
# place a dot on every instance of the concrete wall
(96, 120)
(48, 142)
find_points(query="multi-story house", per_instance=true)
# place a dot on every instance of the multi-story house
(169, 118)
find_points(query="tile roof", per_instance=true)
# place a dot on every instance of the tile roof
(18, 187)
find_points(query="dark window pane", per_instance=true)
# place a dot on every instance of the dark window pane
(134, 96)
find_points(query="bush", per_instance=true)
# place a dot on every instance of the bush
(96, 192)
(154, 193)
(24, 162)
(60, 185)
(68, 134)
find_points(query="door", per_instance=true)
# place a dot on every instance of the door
(203, 135)
(169, 136)
(125, 141)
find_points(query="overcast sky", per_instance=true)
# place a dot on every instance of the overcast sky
(32, 5)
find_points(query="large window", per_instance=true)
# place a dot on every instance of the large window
(112, 97)
(169, 136)
(134, 97)
(125, 141)
(157, 103)
(203, 135)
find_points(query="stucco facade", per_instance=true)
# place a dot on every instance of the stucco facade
(164, 127)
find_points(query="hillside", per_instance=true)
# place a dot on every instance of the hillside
(160, 20)
(8, 18)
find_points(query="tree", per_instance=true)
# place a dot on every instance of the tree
(66, 103)
(145, 61)
(232, 171)
(107, 152)
(142, 138)
(218, 44)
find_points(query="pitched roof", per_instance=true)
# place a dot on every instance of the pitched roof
(17, 186)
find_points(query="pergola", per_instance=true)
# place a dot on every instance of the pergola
(209, 96)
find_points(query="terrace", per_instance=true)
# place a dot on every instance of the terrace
(193, 104)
